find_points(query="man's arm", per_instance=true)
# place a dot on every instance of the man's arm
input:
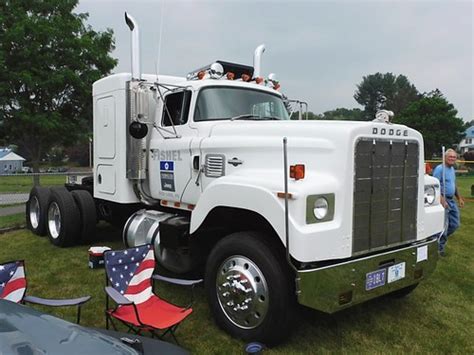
(438, 173)
(459, 197)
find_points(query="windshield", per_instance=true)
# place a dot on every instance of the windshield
(224, 103)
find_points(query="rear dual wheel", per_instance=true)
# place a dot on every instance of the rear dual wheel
(37, 210)
(63, 219)
(69, 217)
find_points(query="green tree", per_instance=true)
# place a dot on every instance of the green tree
(385, 91)
(49, 59)
(345, 114)
(435, 118)
(306, 116)
(468, 124)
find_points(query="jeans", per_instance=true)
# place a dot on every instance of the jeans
(452, 220)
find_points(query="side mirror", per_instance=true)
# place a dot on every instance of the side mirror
(138, 130)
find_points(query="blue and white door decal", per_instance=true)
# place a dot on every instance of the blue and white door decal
(167, 175)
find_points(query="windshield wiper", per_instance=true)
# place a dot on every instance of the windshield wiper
(249, 116)
(273, 118)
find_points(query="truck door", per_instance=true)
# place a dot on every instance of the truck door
(170, 154)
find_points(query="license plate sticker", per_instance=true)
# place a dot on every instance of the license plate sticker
(375, 279)
(422, 253)
(396, 272)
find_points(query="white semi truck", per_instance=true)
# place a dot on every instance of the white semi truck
(210, 170)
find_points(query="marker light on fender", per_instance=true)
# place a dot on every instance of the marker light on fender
(297, 171)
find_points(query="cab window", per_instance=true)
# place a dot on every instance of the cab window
(176, 109)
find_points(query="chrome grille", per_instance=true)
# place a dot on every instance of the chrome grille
(214, 165)
(385, 194)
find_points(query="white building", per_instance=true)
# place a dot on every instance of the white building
(10, 162)
(467, 143)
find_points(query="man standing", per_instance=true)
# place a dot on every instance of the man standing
(448, 191)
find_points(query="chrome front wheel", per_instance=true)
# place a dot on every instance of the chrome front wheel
(242, 292)
(249, 288)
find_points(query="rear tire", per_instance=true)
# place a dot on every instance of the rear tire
(37, 210)
(88, 215)
(63, 219)
(249, 288)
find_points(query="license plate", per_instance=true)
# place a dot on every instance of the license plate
(396, 272)
(375, 279)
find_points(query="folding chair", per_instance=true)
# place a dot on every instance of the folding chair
(130, 274)
(13, 287)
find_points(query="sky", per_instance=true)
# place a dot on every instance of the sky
(319, 50)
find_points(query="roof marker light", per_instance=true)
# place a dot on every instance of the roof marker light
(245, 77)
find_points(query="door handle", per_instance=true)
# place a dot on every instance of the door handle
(234, 161)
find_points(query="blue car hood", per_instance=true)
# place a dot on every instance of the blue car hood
(24, 330)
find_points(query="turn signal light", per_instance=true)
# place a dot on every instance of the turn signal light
(428, 168)
(297, 171)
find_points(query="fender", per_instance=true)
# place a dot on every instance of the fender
(251, 192)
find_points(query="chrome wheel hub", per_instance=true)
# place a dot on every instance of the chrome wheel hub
(54, 220)
(34, 212)
(242, 292)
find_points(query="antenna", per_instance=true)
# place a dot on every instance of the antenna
(160, 38)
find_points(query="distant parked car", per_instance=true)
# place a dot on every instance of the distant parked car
(26, 170)
(24, 330)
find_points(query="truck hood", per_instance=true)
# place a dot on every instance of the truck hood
(310, 129)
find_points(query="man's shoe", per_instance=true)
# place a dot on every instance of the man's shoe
(442, 253)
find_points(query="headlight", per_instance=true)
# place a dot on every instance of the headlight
(430, 195)
(321, 208)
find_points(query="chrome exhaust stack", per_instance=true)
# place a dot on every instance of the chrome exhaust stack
(132, 24)
(257, 61)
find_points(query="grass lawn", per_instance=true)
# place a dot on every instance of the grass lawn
(21, 183)
(436, 318)
(13, 220)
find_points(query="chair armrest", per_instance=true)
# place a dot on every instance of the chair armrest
(181, 282)
(117, 297)
(57, 302)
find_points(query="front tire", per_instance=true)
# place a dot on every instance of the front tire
(249, 289)
(37, 210)
(63, 220)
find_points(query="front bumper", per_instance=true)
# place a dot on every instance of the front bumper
(335, 287)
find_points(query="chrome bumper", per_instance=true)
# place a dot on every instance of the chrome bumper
(335, 287)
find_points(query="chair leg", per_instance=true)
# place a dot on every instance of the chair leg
(174, 337)
(78, 314)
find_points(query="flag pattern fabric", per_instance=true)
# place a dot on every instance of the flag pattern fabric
(12, 281)
(130, 272)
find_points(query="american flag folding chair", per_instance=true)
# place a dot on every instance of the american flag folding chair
(130, 276)
(13, 287)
